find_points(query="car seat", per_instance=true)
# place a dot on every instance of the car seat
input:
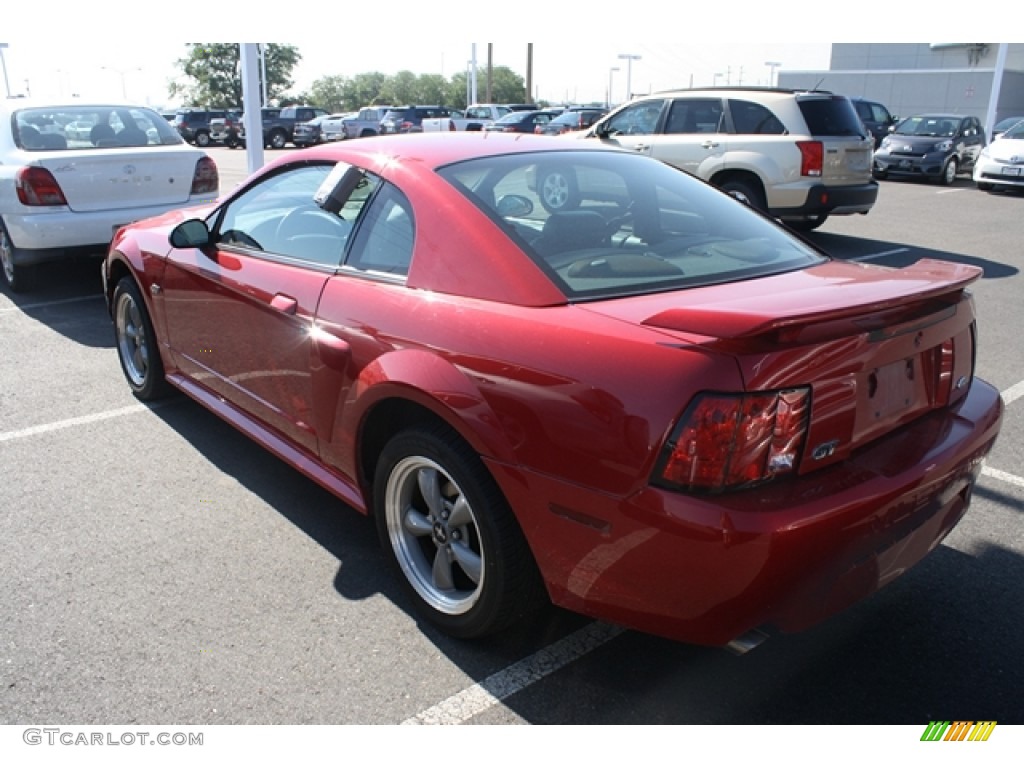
(101, 132)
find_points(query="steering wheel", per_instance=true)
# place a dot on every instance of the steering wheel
(310, 221)
(615, 223)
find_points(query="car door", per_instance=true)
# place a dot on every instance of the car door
(693, 136)
(240, 312)
(973, 138)
(634, 126)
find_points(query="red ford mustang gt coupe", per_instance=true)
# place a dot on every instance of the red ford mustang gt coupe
(653, 405)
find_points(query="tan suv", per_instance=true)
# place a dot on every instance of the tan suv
(800, 156)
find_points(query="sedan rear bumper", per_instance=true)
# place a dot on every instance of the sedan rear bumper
(788, 554)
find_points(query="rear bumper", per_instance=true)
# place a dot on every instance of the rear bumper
(48, 234)
(825, 200)
(788, 554)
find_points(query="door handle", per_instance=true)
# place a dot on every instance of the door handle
(284, 304)
(641, 147)
(709, 144)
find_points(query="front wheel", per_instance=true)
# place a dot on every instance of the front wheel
(136, 343)
(985, 186)
(278, 140)
(949, 172)
(445, 526)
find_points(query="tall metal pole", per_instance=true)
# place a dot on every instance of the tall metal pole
(630, 58)
(3, 61)
(263, 72)
(997, 84)
(472, 99)
(611, 71)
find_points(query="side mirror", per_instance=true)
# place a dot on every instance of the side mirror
(514, 205)
(190, 234)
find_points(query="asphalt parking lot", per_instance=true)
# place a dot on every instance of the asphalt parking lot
(159, 567)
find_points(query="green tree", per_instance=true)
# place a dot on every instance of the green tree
(213, 73)
(329, 92)
(506, 87)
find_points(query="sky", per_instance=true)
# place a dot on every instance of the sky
(109, 50)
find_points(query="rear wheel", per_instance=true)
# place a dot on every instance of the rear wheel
(558, 190)
(746, 192)
(202, 139)
(808, 224)
(985, 186)
(445, 526)
(19, 277)
(136, 343)
(278, 139)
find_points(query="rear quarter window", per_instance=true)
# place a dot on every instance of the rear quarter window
(830, 116)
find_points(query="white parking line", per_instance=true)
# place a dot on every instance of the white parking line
(1011, 394)
(56, 426)
(54, 303)
(883, 254)
(1006, 477)
(480, 697)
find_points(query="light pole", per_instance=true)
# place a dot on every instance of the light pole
(714, 79)
(3, 62)
(122, 73)
(772, 66)
(611, 71)
(630, 58)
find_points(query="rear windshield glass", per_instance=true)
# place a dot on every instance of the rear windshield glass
(53, 129)
(604, 224)
(831, 116)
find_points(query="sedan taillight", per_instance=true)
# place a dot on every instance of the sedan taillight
(728, 441)
(812, 157)
(206, 178)
(36, 186)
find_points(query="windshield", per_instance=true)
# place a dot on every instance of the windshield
(48, 129)
(928, 125)
(1017, 132)
(606, 224)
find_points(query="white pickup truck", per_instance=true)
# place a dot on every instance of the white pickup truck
(473, 118)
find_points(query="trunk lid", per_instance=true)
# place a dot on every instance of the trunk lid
(98, 179)
(878, 347)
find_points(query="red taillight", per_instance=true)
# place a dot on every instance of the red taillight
(406, 126)
(36, 186)
(812, 157)
(728, 441)
(206, 178)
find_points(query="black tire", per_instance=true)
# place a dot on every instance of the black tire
(949, 171)
(746, 192)
(985, 186)
(231, 142)
(202, 139)
(881, 175)
(20, 278)
(278, 139)
(448, 531)
(558, 190)
(808, 224)
(136, 343)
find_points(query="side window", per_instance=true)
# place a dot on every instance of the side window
(881, 114)
(384, 240)
(280, 216)
(638, 119)
(695, 116)
(750, 118)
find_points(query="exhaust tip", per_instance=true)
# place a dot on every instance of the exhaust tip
(746, 642)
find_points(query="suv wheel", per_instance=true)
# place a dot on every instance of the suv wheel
(558, 191)
(278, 140)
(806, 225)
(745, 192)
(202, 139)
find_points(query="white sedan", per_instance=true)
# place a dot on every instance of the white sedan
(331, 127)
(66, 192)
(1001, 163)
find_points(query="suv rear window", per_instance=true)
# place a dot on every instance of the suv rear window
(830, 116)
